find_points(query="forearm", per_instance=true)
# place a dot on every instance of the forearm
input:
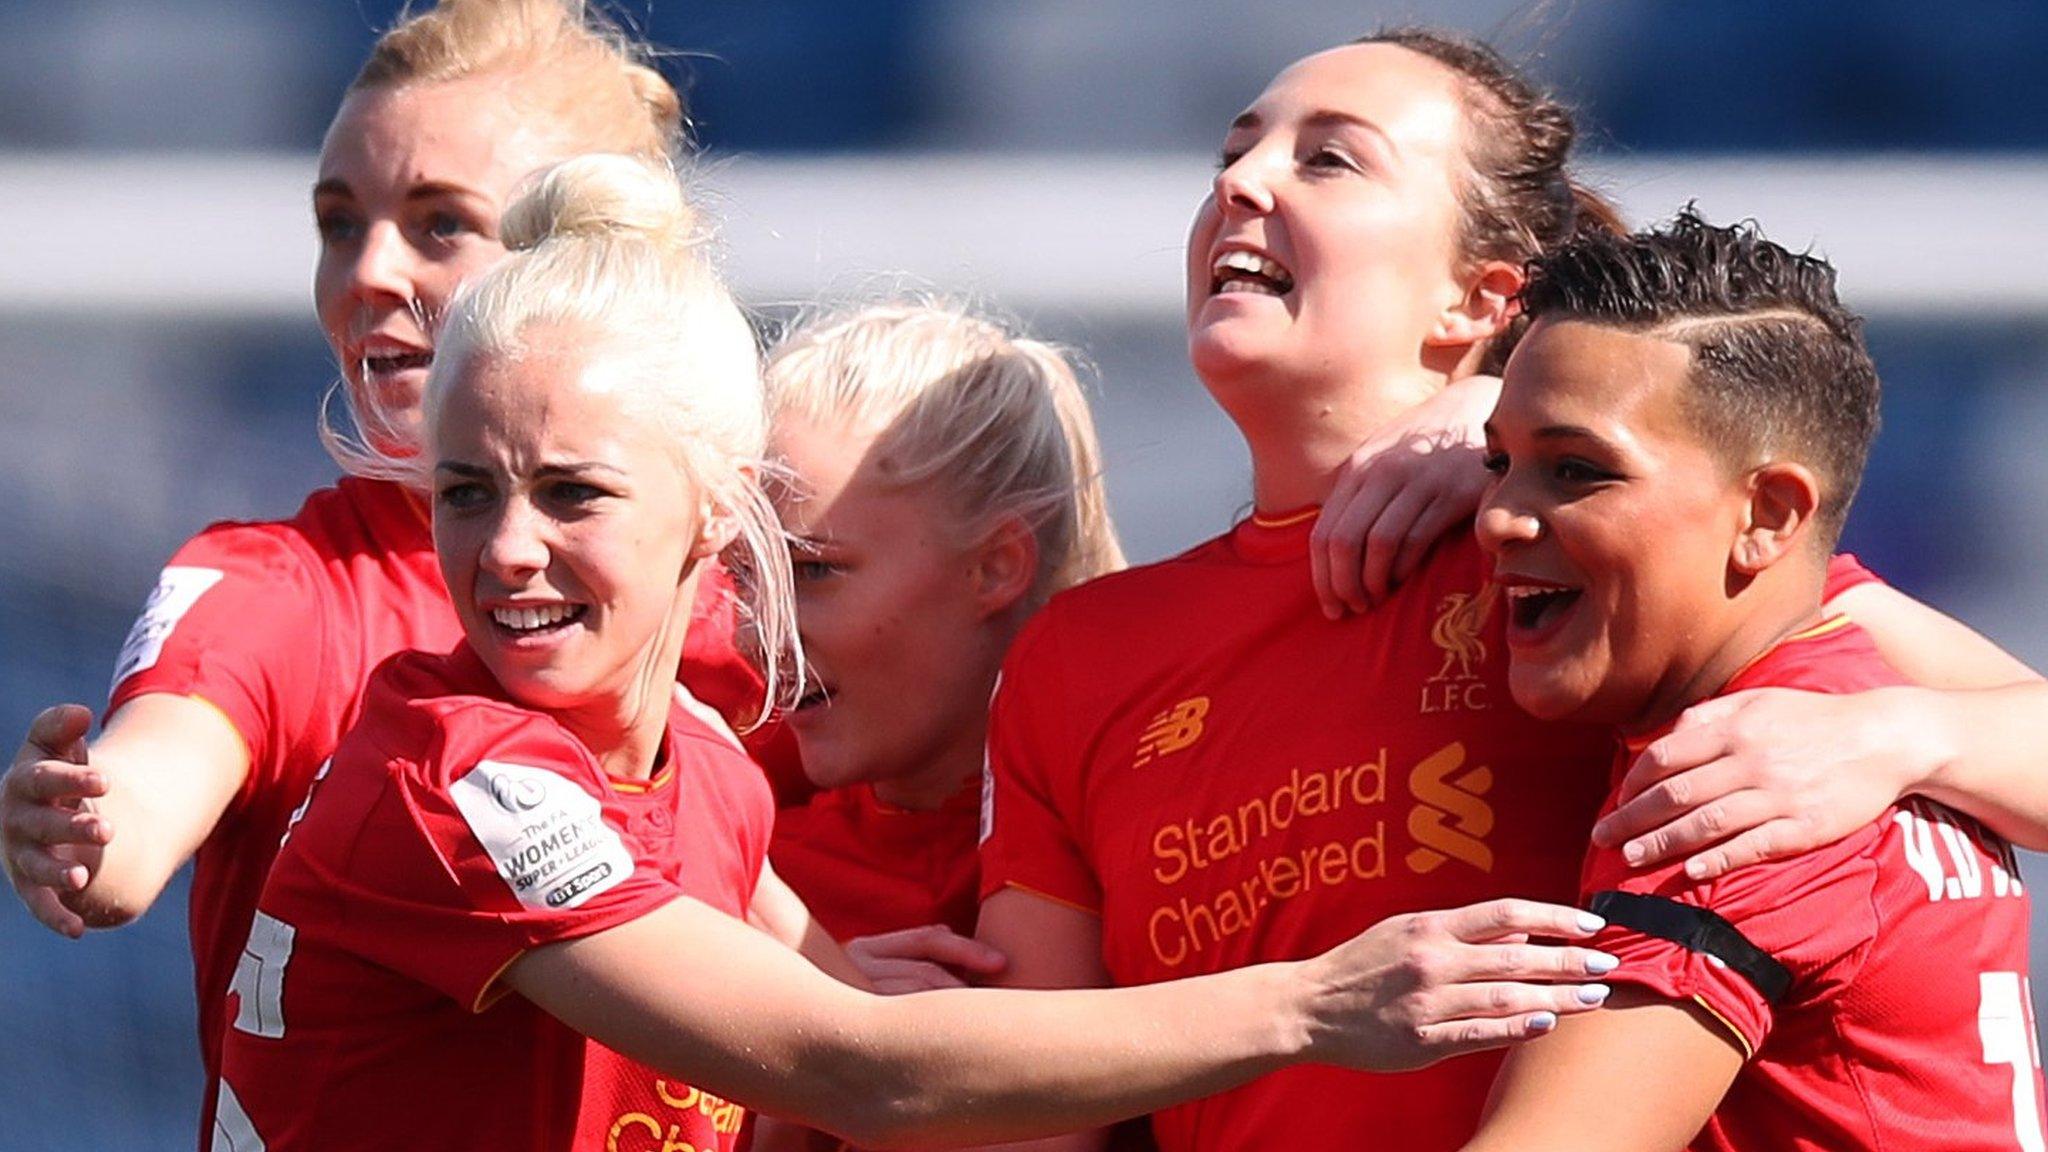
(172, 767)
(980, 1066)
(1980, 752)
(715, 1003)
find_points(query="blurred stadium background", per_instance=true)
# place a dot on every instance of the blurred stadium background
(159, 367)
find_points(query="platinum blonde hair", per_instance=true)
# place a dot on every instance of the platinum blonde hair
(580, 72)
(607, 249)
(997, 419)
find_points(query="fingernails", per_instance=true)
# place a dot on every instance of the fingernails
(1542, 1021)
(1592, 993)
(1601, 835)
(1633, 852)
(1696, 869)
(1600, 963)
(1590, 923)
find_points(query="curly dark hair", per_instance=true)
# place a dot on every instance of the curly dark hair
(1779, 368)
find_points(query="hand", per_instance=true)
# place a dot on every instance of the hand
(1762, 775)
(50, 836)
(921, 959)
(1414, 989)
(1404, 488)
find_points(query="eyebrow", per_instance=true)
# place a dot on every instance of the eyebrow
(545, 471)
(1321, 118)
(1554, 432)
(429, 190)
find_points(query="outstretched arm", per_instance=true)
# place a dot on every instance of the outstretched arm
(1560, 1093)
(93, 831)
(695, 993)
(1768, 774)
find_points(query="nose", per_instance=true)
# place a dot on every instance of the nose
(384, 264)
(517, 547)
(1502, 522)
(1242, 185)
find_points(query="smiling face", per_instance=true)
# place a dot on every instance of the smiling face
(566, 528)
(1328, 244)
(1611, 525)
(412, 182)
(903, 647)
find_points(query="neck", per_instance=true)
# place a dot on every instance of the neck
(626, 730)
(1300, 441)
(1775, 605)
(944, 775)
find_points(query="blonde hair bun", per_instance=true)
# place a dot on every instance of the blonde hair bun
(603, 196)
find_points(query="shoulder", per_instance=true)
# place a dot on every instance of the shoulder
(1161, 591)
(437, 718)
(1833, 656)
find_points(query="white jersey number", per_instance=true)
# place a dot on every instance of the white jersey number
(259, 977)
(2009, 1039)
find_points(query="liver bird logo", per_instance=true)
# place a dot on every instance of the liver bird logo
(1460, 617)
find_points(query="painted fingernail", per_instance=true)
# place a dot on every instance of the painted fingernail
(1590, 923)
(1543, 1022)
(1592, 993)
(1600, 963)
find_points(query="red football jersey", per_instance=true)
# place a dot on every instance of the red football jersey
(453, 832)
(277, 625)
(1845, 571)
(1878, 984)
(864, 866)
(1191, 750)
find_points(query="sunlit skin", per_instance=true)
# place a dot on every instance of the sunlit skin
(1344, 175)
(412, 182)
(553, 493)
(1627, 547)
(903, 642)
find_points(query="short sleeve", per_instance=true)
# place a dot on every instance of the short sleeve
(1031, 781)
(238, 621)
(498, 841)
(1845, 571)
(1747, 946)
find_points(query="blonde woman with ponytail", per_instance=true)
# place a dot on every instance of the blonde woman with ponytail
(249, 660)
(508, 915)
(942, 479)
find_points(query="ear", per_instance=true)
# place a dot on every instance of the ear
(1484, 310)
(1783, 498)
(1003, 566)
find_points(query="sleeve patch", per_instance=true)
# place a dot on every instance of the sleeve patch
(177, 589)
(546, 835)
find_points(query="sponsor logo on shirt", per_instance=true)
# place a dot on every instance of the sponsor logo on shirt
(1451, 816)
(1457, 685)
(1174, 730)
(546, 835)
(177, 590)
(1220, 874)
(638, 1130)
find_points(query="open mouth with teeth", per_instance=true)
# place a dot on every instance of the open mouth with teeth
(1241, 271)
(1535, 612)
(537, 619)
(385, 365)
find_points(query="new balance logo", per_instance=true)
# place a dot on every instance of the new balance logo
(1174, 730)
(1450, 818)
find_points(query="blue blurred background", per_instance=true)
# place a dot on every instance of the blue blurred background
(128, 420)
